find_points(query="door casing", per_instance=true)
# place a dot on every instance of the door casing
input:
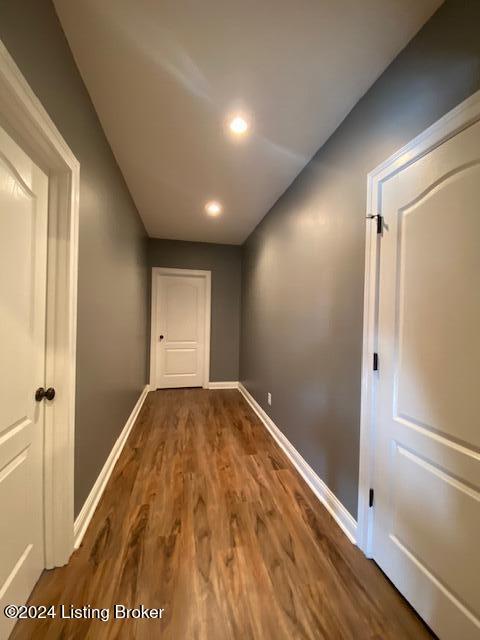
(153, 325)
(26, 121)
(456, 120)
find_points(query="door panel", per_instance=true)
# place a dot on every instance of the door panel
(416, 515)
(439, 307)
(180, 361)
(427, 448)
(181, 311)
(179, 324)
(23, 246)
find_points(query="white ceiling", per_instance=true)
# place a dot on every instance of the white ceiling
(163, 75)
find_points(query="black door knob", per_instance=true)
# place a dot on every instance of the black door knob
(41, 393)
(161, 338)
(50, 393)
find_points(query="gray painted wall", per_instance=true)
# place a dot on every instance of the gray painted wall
(224, 261)
(303, 265)
(112, 287)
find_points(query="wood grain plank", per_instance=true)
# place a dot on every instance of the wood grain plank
(205, 517)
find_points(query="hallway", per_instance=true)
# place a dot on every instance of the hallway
(205, 518)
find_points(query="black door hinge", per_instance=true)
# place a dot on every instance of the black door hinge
(379, 219)
(375, 361)
(370, 498)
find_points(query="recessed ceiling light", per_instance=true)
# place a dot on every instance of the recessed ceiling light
(213, 208)
(238, 125)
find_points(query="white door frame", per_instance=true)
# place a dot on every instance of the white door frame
(25, 119)
(153, 325)
(463, 116)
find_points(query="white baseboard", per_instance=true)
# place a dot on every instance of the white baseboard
(329, 500)
(223, 385)
(83, 519)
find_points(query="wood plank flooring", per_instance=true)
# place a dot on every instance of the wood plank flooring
(206, 518)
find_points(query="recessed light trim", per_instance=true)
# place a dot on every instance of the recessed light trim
(213, 208)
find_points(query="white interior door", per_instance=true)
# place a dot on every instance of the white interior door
(427, 449)
(23, 260)
(179, 330)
